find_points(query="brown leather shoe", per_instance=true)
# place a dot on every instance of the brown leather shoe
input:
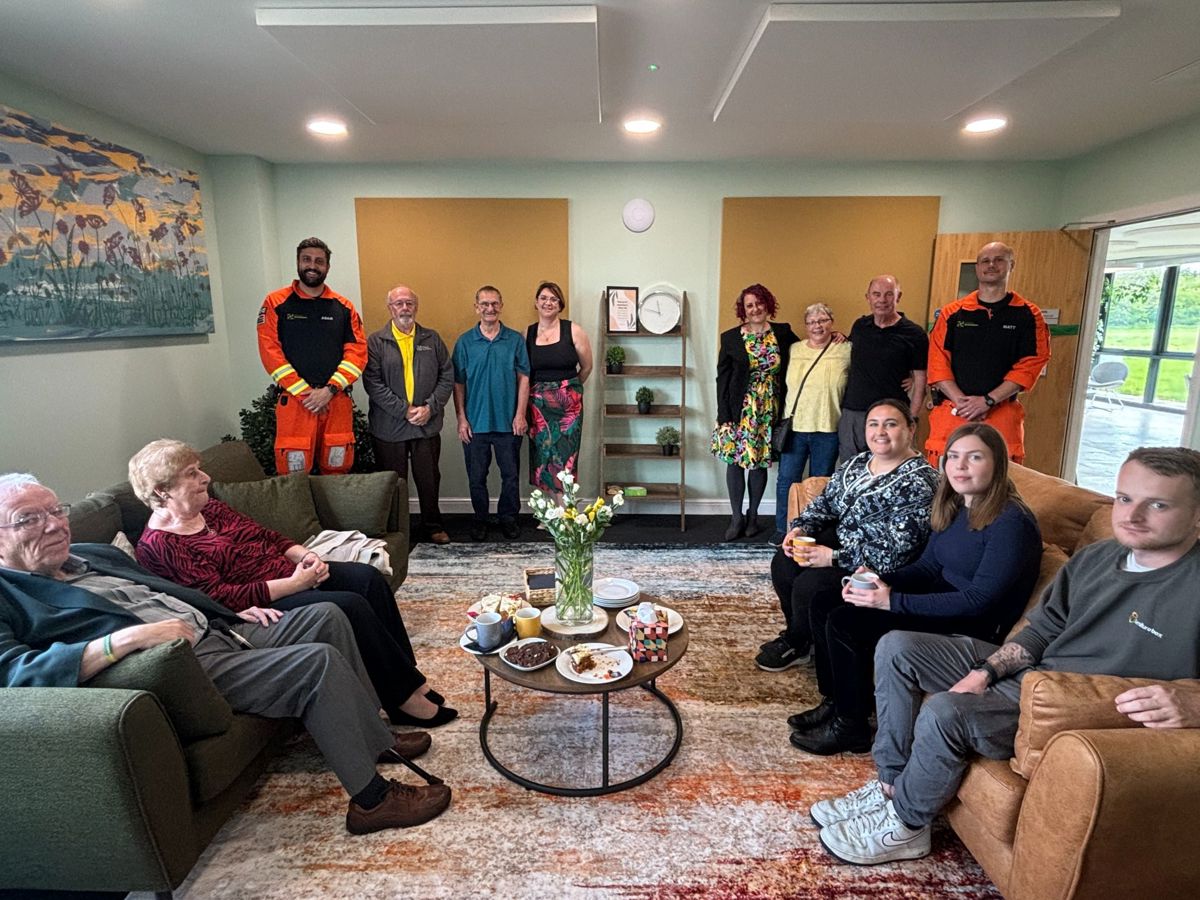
(410, 745)
(439, 537)
(402, 807)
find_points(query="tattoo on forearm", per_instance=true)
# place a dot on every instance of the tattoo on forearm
(1012, 657)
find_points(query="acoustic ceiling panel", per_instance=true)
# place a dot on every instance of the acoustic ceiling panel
(895, 63)
(450, 66)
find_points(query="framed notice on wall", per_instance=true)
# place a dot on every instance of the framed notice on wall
(622, 309)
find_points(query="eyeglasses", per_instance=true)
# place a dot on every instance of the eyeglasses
(824, 320)
(488, 304)
(38, 519)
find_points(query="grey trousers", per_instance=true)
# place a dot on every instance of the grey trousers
(923, 746)
(305, 666)
(852, 438)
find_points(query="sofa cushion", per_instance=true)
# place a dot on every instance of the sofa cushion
(215, 762)
(172, 673)
(803, 492)
(122, 543)
(95, 519)
(1066, 701)
(993, 792)
(231, 461)
(1053, 559)
(1098, 528)
(283, 503)
(356, 502)
(1062, 509)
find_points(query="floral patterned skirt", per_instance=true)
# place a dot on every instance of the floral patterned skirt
(747, 442)
(555, 431)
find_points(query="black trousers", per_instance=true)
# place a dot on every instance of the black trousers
(426, 475)
(796, 586)
(844, 639)
(366, 598)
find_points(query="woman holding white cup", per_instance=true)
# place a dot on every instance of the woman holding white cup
(973, 578)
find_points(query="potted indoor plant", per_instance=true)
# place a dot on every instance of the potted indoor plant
(614, 359)
(644, 397)
(668, 439)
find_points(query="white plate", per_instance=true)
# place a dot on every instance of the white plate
(616, 604)
(522, 643)
(473, 609)
(615, 590)
(674, 619)
(621, 655)
(464, 640)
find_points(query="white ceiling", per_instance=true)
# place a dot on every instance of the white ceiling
(790, 81)
(1160, 242)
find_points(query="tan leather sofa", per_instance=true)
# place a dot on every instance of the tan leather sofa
(1091, 805)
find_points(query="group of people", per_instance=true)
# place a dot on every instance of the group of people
(504, 386)
(984, 349)
(901, 579)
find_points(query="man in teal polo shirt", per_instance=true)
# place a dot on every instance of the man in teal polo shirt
(491, 392)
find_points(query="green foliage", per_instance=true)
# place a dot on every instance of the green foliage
(667, 436)
(644, 395)
(258, 430)
(615, 354)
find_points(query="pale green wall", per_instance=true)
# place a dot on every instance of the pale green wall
(1152, 173)
(73, 415)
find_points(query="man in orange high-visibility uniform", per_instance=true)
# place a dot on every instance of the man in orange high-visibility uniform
(312, 345)
(985, 349)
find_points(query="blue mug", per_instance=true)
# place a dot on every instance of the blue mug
(488, 631)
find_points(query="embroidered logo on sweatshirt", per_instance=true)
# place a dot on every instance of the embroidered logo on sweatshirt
(1134, 620)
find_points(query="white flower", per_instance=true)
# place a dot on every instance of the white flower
(554, 513)
(581, 520)
(619, 499)
(566, 477)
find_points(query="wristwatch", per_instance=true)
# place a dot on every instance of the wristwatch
(982, 665)
(333, 387)
(837, 555)
(989, 400)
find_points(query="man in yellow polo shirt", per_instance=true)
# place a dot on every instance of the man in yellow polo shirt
(409, 379)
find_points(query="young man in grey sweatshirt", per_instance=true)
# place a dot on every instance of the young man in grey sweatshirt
(1125, 607)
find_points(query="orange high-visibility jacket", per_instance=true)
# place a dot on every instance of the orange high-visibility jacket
(979, 345)
(308, 342)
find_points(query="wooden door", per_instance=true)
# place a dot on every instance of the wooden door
(1051, 270)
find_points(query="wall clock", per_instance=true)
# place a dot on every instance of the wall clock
(660, 309)
(638, 215)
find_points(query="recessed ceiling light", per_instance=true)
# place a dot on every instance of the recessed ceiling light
(986, 125)
(327, 127)
(653, 67)
(642, 126)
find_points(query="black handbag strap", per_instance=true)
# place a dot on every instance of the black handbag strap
(800, 389)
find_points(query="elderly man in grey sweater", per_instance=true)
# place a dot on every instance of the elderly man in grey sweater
(1125, 607)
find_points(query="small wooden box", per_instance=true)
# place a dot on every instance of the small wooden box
(539, 586)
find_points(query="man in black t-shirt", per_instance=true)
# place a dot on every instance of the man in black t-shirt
(886, 349)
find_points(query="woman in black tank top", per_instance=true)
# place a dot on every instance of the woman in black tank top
(560, 360)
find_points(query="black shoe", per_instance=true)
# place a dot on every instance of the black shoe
(434, 697)
(479, 531)
(510, 529)
(780, 655)
(753, 527)
(811, 718)
(838, 735)
(777, 539)
(737, 528)
(441, 717)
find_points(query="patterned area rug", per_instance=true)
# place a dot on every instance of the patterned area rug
(727, 819)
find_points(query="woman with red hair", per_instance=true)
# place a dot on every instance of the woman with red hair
(750, 392)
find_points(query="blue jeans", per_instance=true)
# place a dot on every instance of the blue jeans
(478, 455)
(818, 449)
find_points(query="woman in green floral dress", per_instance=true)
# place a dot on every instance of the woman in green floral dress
(750, 395)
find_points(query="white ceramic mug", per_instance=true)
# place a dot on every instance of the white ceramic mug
(863, 581)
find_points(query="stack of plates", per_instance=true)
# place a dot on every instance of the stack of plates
(615, 593)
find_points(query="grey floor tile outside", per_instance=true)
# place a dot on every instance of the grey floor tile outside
(1109, 434)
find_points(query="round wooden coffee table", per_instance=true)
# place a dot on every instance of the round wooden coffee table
(549, 680)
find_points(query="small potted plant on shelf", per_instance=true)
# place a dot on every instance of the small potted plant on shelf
(668, 439)
(644, 397)
(614, 359)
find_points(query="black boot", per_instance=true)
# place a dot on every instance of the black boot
(737, 528)
(838, 735)
(811, 718)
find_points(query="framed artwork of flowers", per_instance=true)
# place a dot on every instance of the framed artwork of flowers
(96, 240)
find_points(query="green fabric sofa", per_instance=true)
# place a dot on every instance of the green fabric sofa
(120, 785)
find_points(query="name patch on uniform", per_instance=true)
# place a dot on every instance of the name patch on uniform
(262, 314)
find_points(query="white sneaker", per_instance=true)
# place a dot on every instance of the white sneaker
(875, 837)
(861, 800)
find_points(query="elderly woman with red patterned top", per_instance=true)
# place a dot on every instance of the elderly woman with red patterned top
(202, 543)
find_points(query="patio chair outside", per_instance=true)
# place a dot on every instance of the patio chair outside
(1104, 382)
